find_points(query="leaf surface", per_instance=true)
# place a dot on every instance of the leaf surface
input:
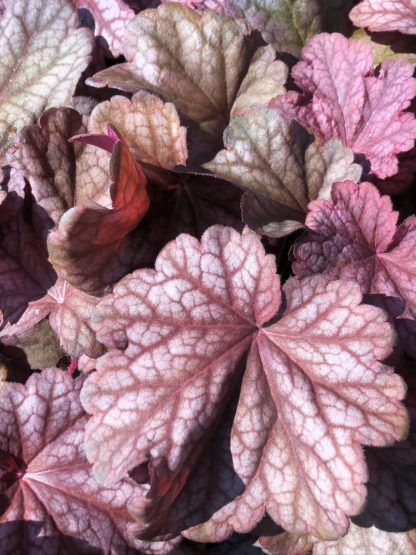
(55, 505)
(312, 390)
(269, 157)
(354, 236)
(32, 77)
(382, 15)
(343, 97)
(285, 24)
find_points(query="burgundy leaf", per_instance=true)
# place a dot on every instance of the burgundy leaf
(312, 390)
(54, 504)
(354, 237)
(343, 97)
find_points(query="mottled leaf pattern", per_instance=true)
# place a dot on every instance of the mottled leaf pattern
(179, 335)
(343, 97)
(32, 77)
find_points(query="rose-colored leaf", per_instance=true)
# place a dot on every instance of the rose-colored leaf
(150, 127)
(287, 25)
(111, 18)
(312, 391)
(69, 312)
(268, 156)
(33, 77)
(382, 51)
(88, 248)
(354, 237)
(196, 60)
(386, 15)
(343, 97)
(55, 505)
(45, 158)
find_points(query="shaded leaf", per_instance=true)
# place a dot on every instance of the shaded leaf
(286, 24)
(33, 77)
(178, 338)
(269, 157)
(150, 127)
(381, 51)
(382, 15)
(213, 5)
(343, 97)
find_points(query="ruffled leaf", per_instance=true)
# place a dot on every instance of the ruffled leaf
(354, 237)
(32, 77)
(382, 15)
(343, 97)
(54, 503)
(269, 157)
(150, 127)
(312, 391)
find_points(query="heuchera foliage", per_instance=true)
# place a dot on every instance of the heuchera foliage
(207, 277)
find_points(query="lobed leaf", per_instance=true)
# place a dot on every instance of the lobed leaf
(32, 77)
(269, 157)
(54, 503)
(312, 391)
(354, 236)
(382, 15)
(343, 97)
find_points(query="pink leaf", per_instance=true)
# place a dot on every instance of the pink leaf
(312, 391)
(354, 237)
(386, 15)
(111, 18)
(54, 503)
(343, 97)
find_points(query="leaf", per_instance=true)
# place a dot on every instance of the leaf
(178, 338)
(343, 97)
(111, 18)
(25, 273)
(195, 60)
(381, 51)
(213, 5)
(91, 242)
(286, 24)
(33, 77)
(354, 237)
(69, 312)
(269, 157)
(43, 155)
(55, 505)
(150, 127)
(379, 15)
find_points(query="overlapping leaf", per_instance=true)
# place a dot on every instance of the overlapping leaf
(33, 77)
(354, 236)
(213, 5)
(286, 24)
(312, 391)
(269, 157)
(150, 127)
(111, 18)
(343, 97)
(54, 504)
(90, 249)
(386, 15)
(195, 60)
